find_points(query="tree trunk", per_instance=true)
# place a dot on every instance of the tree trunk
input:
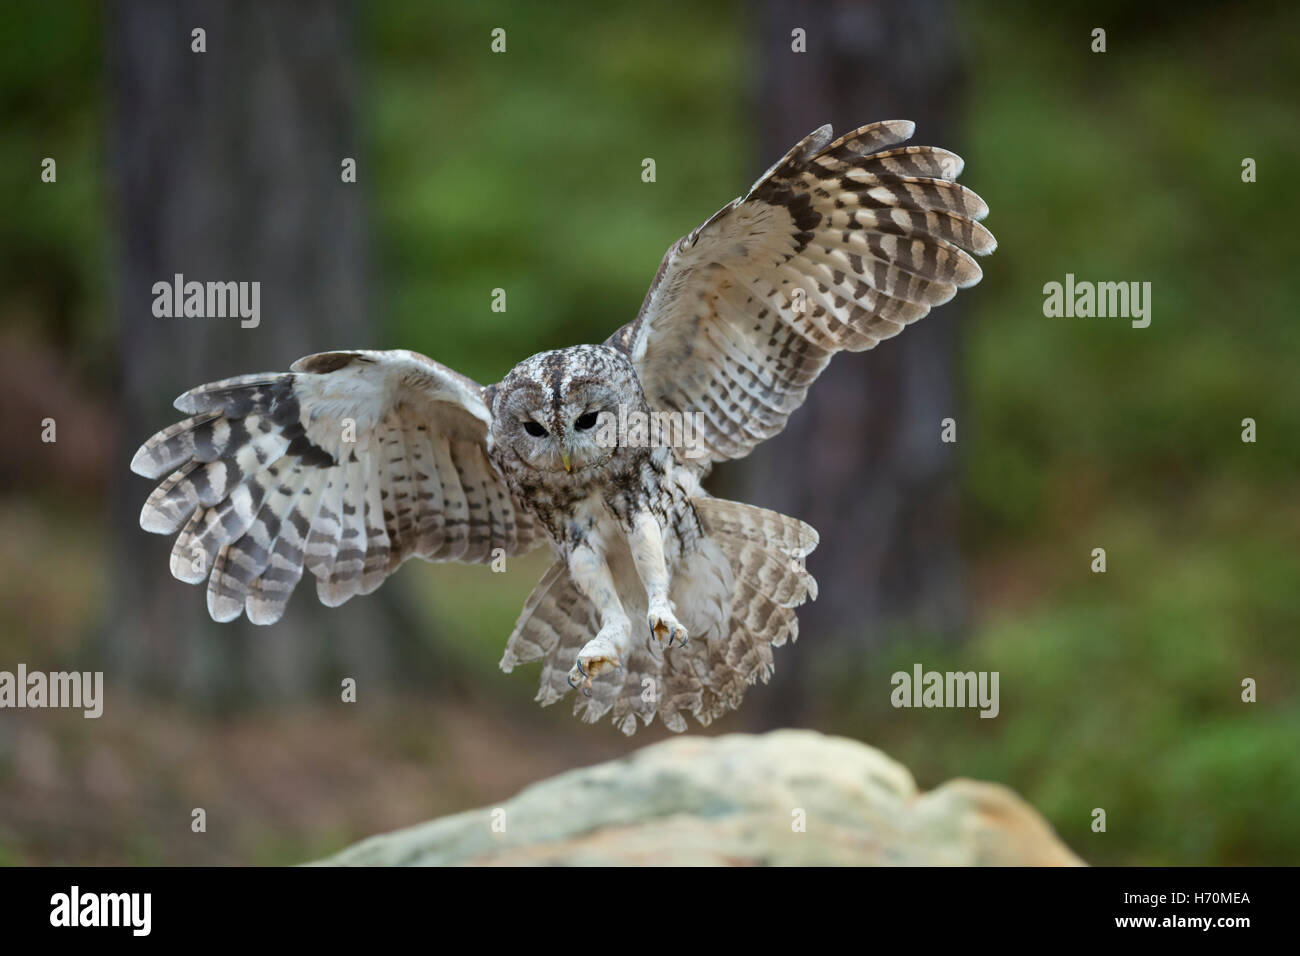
(862, 461)
(226, 167)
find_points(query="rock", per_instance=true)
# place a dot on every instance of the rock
(735, 800)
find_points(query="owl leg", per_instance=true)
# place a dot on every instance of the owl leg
(647, 543)
(590, 573)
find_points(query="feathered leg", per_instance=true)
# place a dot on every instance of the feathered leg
(647, 544)
(590, 573)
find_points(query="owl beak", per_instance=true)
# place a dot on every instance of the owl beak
(564, 457)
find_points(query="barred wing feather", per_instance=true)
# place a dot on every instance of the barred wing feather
(345, 466)
(840, 245)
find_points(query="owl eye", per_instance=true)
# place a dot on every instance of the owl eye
(583, 422)
(534, 429)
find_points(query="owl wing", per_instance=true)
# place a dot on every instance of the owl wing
(347, 465)
(836, 247)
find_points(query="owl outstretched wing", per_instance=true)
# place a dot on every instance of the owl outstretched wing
(346, 466)
(838, 246)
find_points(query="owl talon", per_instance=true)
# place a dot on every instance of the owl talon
(664, 627)
(597, 656)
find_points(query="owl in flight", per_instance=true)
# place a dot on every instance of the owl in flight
(662, 599)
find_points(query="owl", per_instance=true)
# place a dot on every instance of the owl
(662, 599)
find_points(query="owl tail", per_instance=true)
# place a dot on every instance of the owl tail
(764, 553)
(735, 592)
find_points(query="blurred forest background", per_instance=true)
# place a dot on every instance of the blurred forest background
(522, 171)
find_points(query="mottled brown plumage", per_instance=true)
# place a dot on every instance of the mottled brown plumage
(353, 462)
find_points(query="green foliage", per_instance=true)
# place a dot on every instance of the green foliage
(1122, 690)
(1127, 165)
(53, 236)
(522, 170)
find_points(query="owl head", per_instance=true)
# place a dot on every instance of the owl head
(554, 411)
